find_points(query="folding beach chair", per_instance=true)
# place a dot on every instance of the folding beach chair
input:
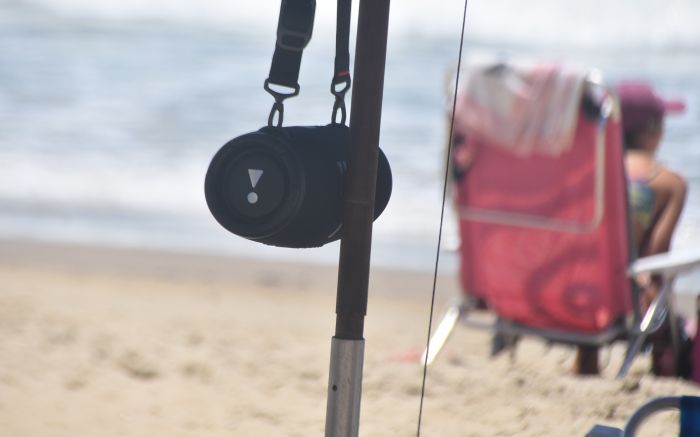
(540, 192)
(689, 407)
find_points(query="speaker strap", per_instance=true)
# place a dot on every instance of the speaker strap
(294, 29)
(340, 84)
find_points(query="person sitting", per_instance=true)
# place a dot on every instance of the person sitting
(656, 196)
(656, 193)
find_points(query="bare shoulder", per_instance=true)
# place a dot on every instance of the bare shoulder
(671, 181)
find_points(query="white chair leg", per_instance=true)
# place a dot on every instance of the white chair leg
(453, 313)
(633, 349)
(651, 322)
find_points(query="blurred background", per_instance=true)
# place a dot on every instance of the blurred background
(110, 110)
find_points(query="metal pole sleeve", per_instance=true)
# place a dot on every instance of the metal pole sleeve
(344, 388)
(358, 208)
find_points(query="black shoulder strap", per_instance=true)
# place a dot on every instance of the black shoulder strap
(294, 29)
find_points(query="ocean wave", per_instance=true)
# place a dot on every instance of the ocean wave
(641, 24)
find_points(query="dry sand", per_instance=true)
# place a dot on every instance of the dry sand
(107, 342)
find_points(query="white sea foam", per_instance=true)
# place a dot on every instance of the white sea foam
(653, 24)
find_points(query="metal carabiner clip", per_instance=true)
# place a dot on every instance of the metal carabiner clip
(278, 106)
(339, 105)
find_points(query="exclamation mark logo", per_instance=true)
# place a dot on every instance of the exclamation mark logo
(254, 175)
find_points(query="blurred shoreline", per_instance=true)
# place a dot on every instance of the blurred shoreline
(239, 271)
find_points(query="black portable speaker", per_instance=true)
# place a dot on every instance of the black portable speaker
(283, 186)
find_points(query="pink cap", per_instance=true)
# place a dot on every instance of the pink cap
(641, 105)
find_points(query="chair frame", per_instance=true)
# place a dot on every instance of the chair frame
(667, 265)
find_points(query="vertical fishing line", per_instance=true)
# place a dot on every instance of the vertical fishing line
(442, 215)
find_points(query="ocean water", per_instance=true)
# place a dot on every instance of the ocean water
(110, 111)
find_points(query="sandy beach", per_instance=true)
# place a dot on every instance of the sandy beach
(116, 342)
